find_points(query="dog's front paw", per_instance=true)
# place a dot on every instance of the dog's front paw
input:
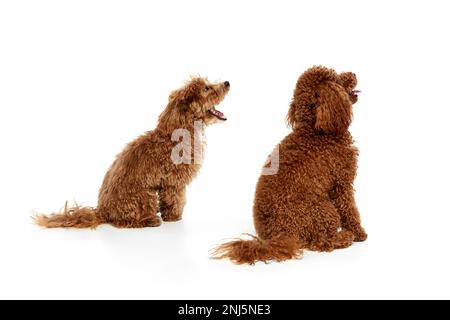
(360, 235)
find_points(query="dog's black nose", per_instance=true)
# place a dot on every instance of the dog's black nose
(227, 84)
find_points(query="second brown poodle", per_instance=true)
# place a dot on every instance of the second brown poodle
(149, 175)
(309, 202)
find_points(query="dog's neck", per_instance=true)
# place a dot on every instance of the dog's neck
(307, 129)
(194, 127)
(305, 126)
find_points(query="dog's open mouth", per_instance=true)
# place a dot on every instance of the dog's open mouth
(354, 93)
(219, 115)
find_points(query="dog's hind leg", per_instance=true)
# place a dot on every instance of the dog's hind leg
(171, 202)
(326, 235)
(139, 211)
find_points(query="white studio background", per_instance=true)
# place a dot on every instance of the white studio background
(79, 79)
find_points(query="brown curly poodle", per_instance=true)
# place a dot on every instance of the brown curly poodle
(145, 178)
(308, 203)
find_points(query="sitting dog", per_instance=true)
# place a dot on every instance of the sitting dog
(147, 175)
(308, 203)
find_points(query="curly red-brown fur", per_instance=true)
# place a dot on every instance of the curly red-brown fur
(74, 217)
(143, 179)
(310, 199)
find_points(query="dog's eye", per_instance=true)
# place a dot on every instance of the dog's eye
(207, 88)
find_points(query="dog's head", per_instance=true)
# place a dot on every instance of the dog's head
(323, 100)
(196, 100)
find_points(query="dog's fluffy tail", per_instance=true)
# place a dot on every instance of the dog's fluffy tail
(242, 251)
(73, 217)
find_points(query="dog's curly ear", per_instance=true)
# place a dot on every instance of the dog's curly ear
(305, 94)
(186, 95)
(333, 109)
(348, 79)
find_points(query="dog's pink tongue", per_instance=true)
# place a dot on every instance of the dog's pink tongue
(218, 114)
